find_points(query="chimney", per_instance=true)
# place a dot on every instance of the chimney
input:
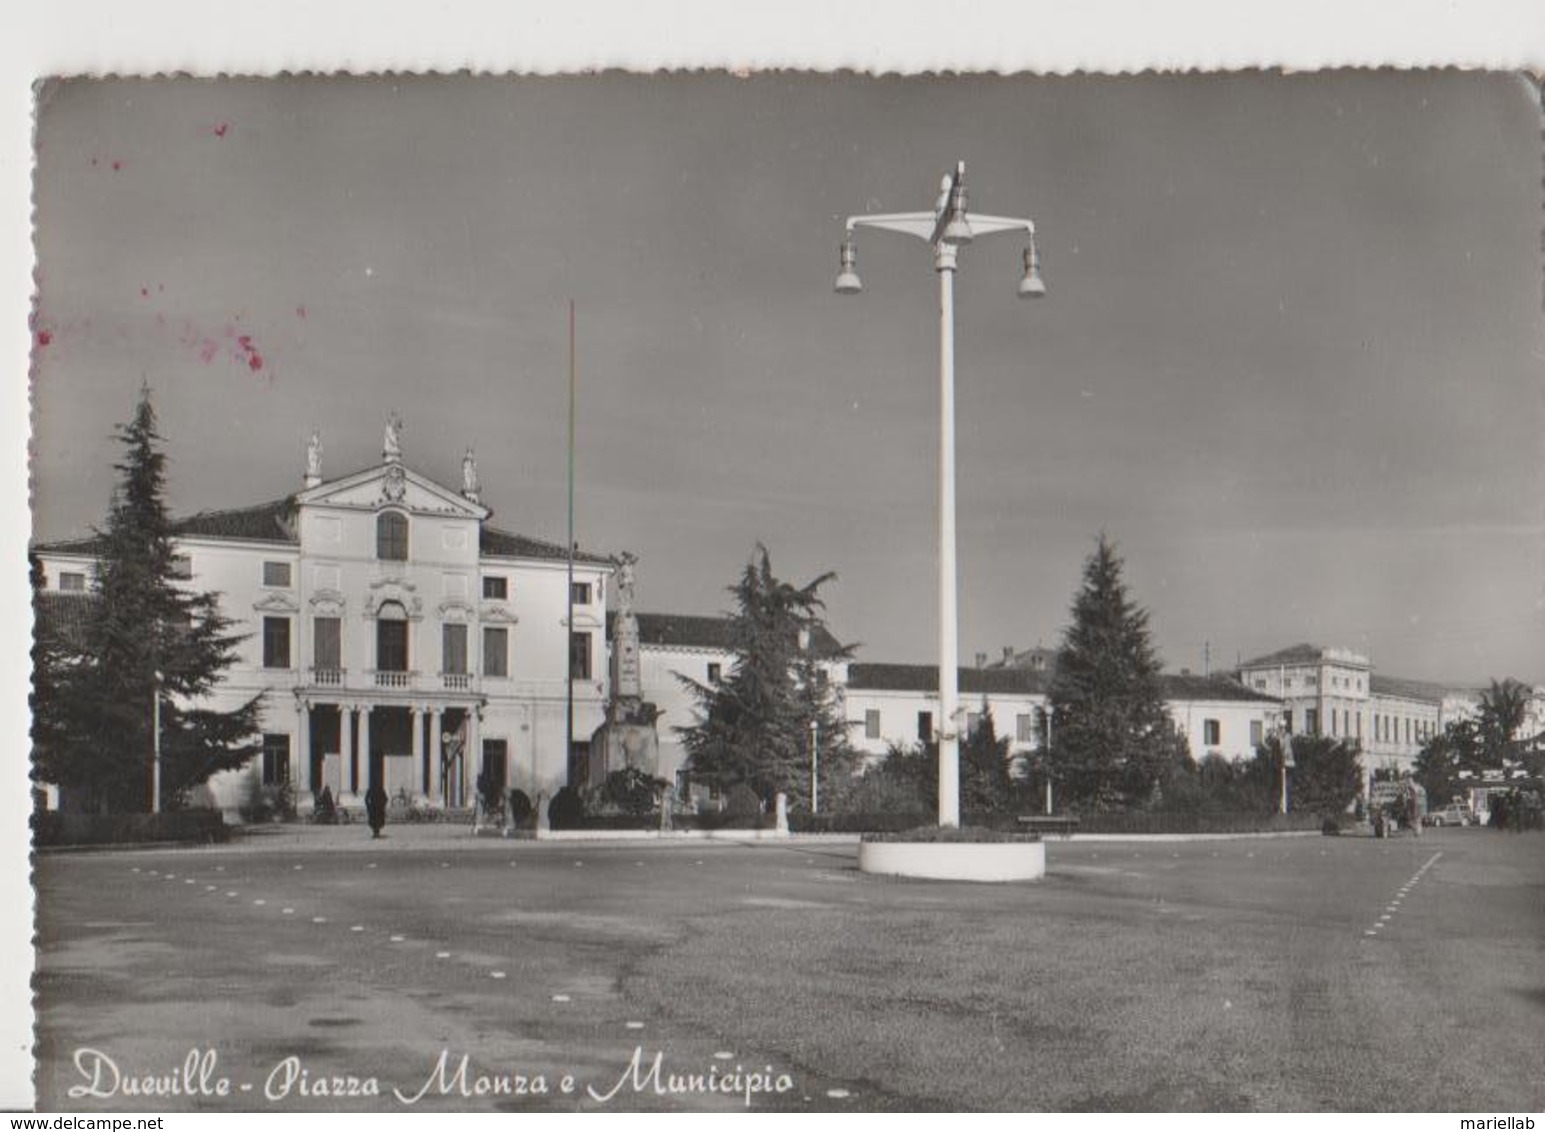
(981, 660)
(1008, 654)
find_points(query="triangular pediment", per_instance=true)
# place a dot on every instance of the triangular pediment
(392, 485)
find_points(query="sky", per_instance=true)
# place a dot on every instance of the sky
(1290, 361)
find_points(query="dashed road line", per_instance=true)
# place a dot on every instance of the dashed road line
(1393, 907)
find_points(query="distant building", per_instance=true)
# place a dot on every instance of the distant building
(1335, 692)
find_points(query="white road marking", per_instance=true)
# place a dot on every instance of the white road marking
(496, 974)
(561, 998)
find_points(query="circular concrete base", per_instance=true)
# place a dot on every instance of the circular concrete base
(955, 860)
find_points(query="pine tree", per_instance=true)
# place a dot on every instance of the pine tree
(1113, 737)
(755, 723)
(986, 781)
(145, 642)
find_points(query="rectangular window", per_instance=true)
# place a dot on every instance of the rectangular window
(182, 566)
(72, 582)
(276, 642)
(1257, 733)
(392, 536)
(496, 589)
(392, 646)
(580, 593)
(1260, 683)
(1312, 720)
(1024, 727)
(579, 655)
(1212, 732)
(276, 759)
(1312, 680)
(496, 760)
(1357, 721)
(327, 643)
(715, 672)
(276, 574)
(925, 727)
(496, 651)
(872, 724)
(453, 641)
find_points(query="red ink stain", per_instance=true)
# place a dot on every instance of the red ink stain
(300, 312)
(117, 165)
(45, 337)
(249, 351)
(221, 128)
(208, 351)
(144, 292)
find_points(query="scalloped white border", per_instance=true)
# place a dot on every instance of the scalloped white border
(39, 37)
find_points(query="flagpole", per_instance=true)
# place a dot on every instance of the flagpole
(568, 754)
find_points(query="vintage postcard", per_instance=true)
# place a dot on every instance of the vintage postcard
(788, 591)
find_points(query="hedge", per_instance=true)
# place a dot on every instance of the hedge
(197, 826)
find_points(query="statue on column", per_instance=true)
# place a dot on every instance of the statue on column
(391, 445)
(625, 584)
(469, 484)
(314, 459)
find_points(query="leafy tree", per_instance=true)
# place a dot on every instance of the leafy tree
(1326, 774)
(755, 723)
(1501, 714)
(1454, 749)
(1113, 738)
(144, 640)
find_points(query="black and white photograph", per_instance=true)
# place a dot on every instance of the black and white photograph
(787, 590)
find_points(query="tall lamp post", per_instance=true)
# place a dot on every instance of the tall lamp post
(946, 229)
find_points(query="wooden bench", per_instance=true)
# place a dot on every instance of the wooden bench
(1064, 824)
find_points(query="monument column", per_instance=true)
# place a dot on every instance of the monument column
(472, 757)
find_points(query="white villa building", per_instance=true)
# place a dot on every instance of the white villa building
(398, 635)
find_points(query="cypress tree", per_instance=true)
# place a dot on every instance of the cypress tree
(145, 641)
(754, 725)
(1113, 737)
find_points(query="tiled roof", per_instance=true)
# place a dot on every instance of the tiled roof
(267, 522)
(925, 678)
(505, 544)
(63, 615)
(692, 631)
(1297, 654)
(1210, 688)
(1406, 689)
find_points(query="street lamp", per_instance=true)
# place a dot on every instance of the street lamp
(946, 229)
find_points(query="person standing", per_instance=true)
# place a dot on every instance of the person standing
(375, 808)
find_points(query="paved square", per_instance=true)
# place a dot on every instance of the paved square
(1276, 974)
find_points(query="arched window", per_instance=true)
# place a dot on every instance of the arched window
(392, 536)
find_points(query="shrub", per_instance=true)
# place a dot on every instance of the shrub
(741, 802)
(270, 802)
(199, 826)
(520, 806)
(566, 810)
(628, 791)
(967, 835)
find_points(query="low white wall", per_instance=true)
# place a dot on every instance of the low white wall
(955, 860)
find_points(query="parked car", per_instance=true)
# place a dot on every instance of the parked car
(1453, 814)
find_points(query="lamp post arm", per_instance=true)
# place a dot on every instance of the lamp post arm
(919, 224)
(987, 225)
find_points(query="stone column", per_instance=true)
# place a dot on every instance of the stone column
(436, 756)
(300, 758)
(362, 783)
(417, 713)
(346, 751)
(472, 759)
